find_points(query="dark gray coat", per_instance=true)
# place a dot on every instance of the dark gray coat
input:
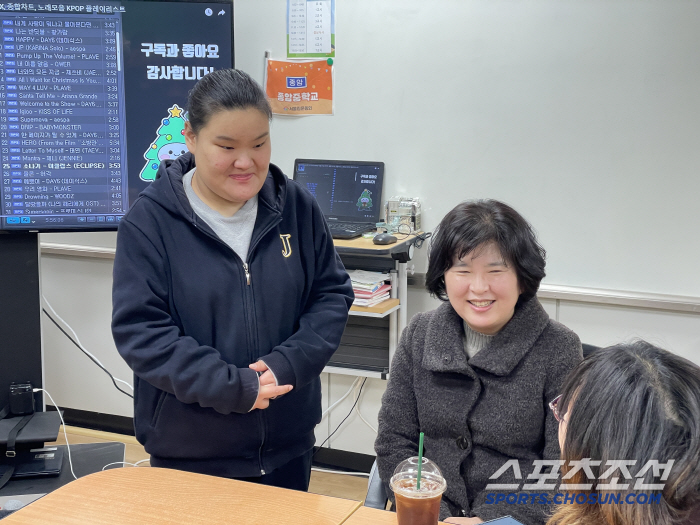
(476, 413)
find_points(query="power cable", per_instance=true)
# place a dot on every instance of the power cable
(92, 358)
(63, 423)
(345, 418)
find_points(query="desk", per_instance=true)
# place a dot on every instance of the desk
(87, 458)
(155, 496)
(367, 516)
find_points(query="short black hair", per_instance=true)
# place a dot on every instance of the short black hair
(222, 90)
(634, 401)
(474, 224)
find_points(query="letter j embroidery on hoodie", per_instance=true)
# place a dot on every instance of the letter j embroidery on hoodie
(286, 245)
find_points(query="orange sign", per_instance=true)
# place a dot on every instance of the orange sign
(300, 88)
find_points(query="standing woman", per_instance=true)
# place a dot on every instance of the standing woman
(476, 374)
(228, 299)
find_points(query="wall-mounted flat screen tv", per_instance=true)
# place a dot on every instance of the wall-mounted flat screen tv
(92, 98)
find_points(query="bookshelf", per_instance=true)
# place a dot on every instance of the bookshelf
(373, 359)
(379, 310)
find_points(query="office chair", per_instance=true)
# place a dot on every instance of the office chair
(588, 349)
(377, 492)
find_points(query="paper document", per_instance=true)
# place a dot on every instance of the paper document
(367, 277)
(371, 302)
(310, 28)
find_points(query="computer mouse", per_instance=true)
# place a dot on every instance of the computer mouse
(384, 238)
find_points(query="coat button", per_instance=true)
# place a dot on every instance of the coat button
(462, 442)
(447, 358)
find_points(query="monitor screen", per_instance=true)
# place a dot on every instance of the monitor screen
(92, 98)
(344, 190)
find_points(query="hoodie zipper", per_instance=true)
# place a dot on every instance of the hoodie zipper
(249, 299)
(247, 273)
(246, 269)
(261, 416)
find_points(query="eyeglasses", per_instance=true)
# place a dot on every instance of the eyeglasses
(553, 404)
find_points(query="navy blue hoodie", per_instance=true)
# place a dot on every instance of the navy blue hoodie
(188, 323)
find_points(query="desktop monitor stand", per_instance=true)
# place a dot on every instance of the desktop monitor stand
(20, 314)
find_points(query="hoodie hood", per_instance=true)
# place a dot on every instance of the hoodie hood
(167, 189)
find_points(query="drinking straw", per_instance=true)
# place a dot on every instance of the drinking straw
(420, 459)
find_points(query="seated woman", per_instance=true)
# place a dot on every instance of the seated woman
(476, 374)
(639, 403)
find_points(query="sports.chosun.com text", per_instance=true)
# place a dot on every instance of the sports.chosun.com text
(581, 498)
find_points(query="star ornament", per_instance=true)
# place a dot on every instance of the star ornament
(175, 111)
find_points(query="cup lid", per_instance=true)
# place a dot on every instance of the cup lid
(405, 476)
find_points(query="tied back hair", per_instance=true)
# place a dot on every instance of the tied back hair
(633, 401)
(224, 90)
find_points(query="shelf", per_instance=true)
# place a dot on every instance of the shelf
(357, 372)
(381, 310)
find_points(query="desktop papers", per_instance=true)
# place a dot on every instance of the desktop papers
(366, 278)
(372, 298)
(370, 288)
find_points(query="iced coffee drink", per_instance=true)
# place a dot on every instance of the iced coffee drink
(417, 505)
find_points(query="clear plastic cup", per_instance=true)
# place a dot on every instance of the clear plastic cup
(413, 506)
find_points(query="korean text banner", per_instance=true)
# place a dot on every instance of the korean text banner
(300, 88)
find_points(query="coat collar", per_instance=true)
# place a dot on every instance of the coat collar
(445, 346)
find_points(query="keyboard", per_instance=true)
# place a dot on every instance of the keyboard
(349, 230)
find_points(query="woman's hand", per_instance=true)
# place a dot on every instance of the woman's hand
(267, 392)
(267, 377)
(268, 386)
(463, 521)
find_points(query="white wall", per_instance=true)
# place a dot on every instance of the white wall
(80, 290)
(582, 114)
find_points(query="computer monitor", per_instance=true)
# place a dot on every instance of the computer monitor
(346, 191)
(92, 98)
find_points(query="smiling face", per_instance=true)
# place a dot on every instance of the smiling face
(172, 150)
(483, 289)
(232, 153)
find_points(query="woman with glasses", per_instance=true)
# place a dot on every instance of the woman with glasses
(476, 374)
(639, 404)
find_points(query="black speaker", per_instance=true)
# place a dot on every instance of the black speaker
(20, 313)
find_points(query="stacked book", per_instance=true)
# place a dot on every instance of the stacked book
(371, 288)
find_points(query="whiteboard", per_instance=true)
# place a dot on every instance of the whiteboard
(583, 115)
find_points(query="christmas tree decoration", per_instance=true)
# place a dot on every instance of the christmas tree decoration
(365, 201)
(169, 143)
